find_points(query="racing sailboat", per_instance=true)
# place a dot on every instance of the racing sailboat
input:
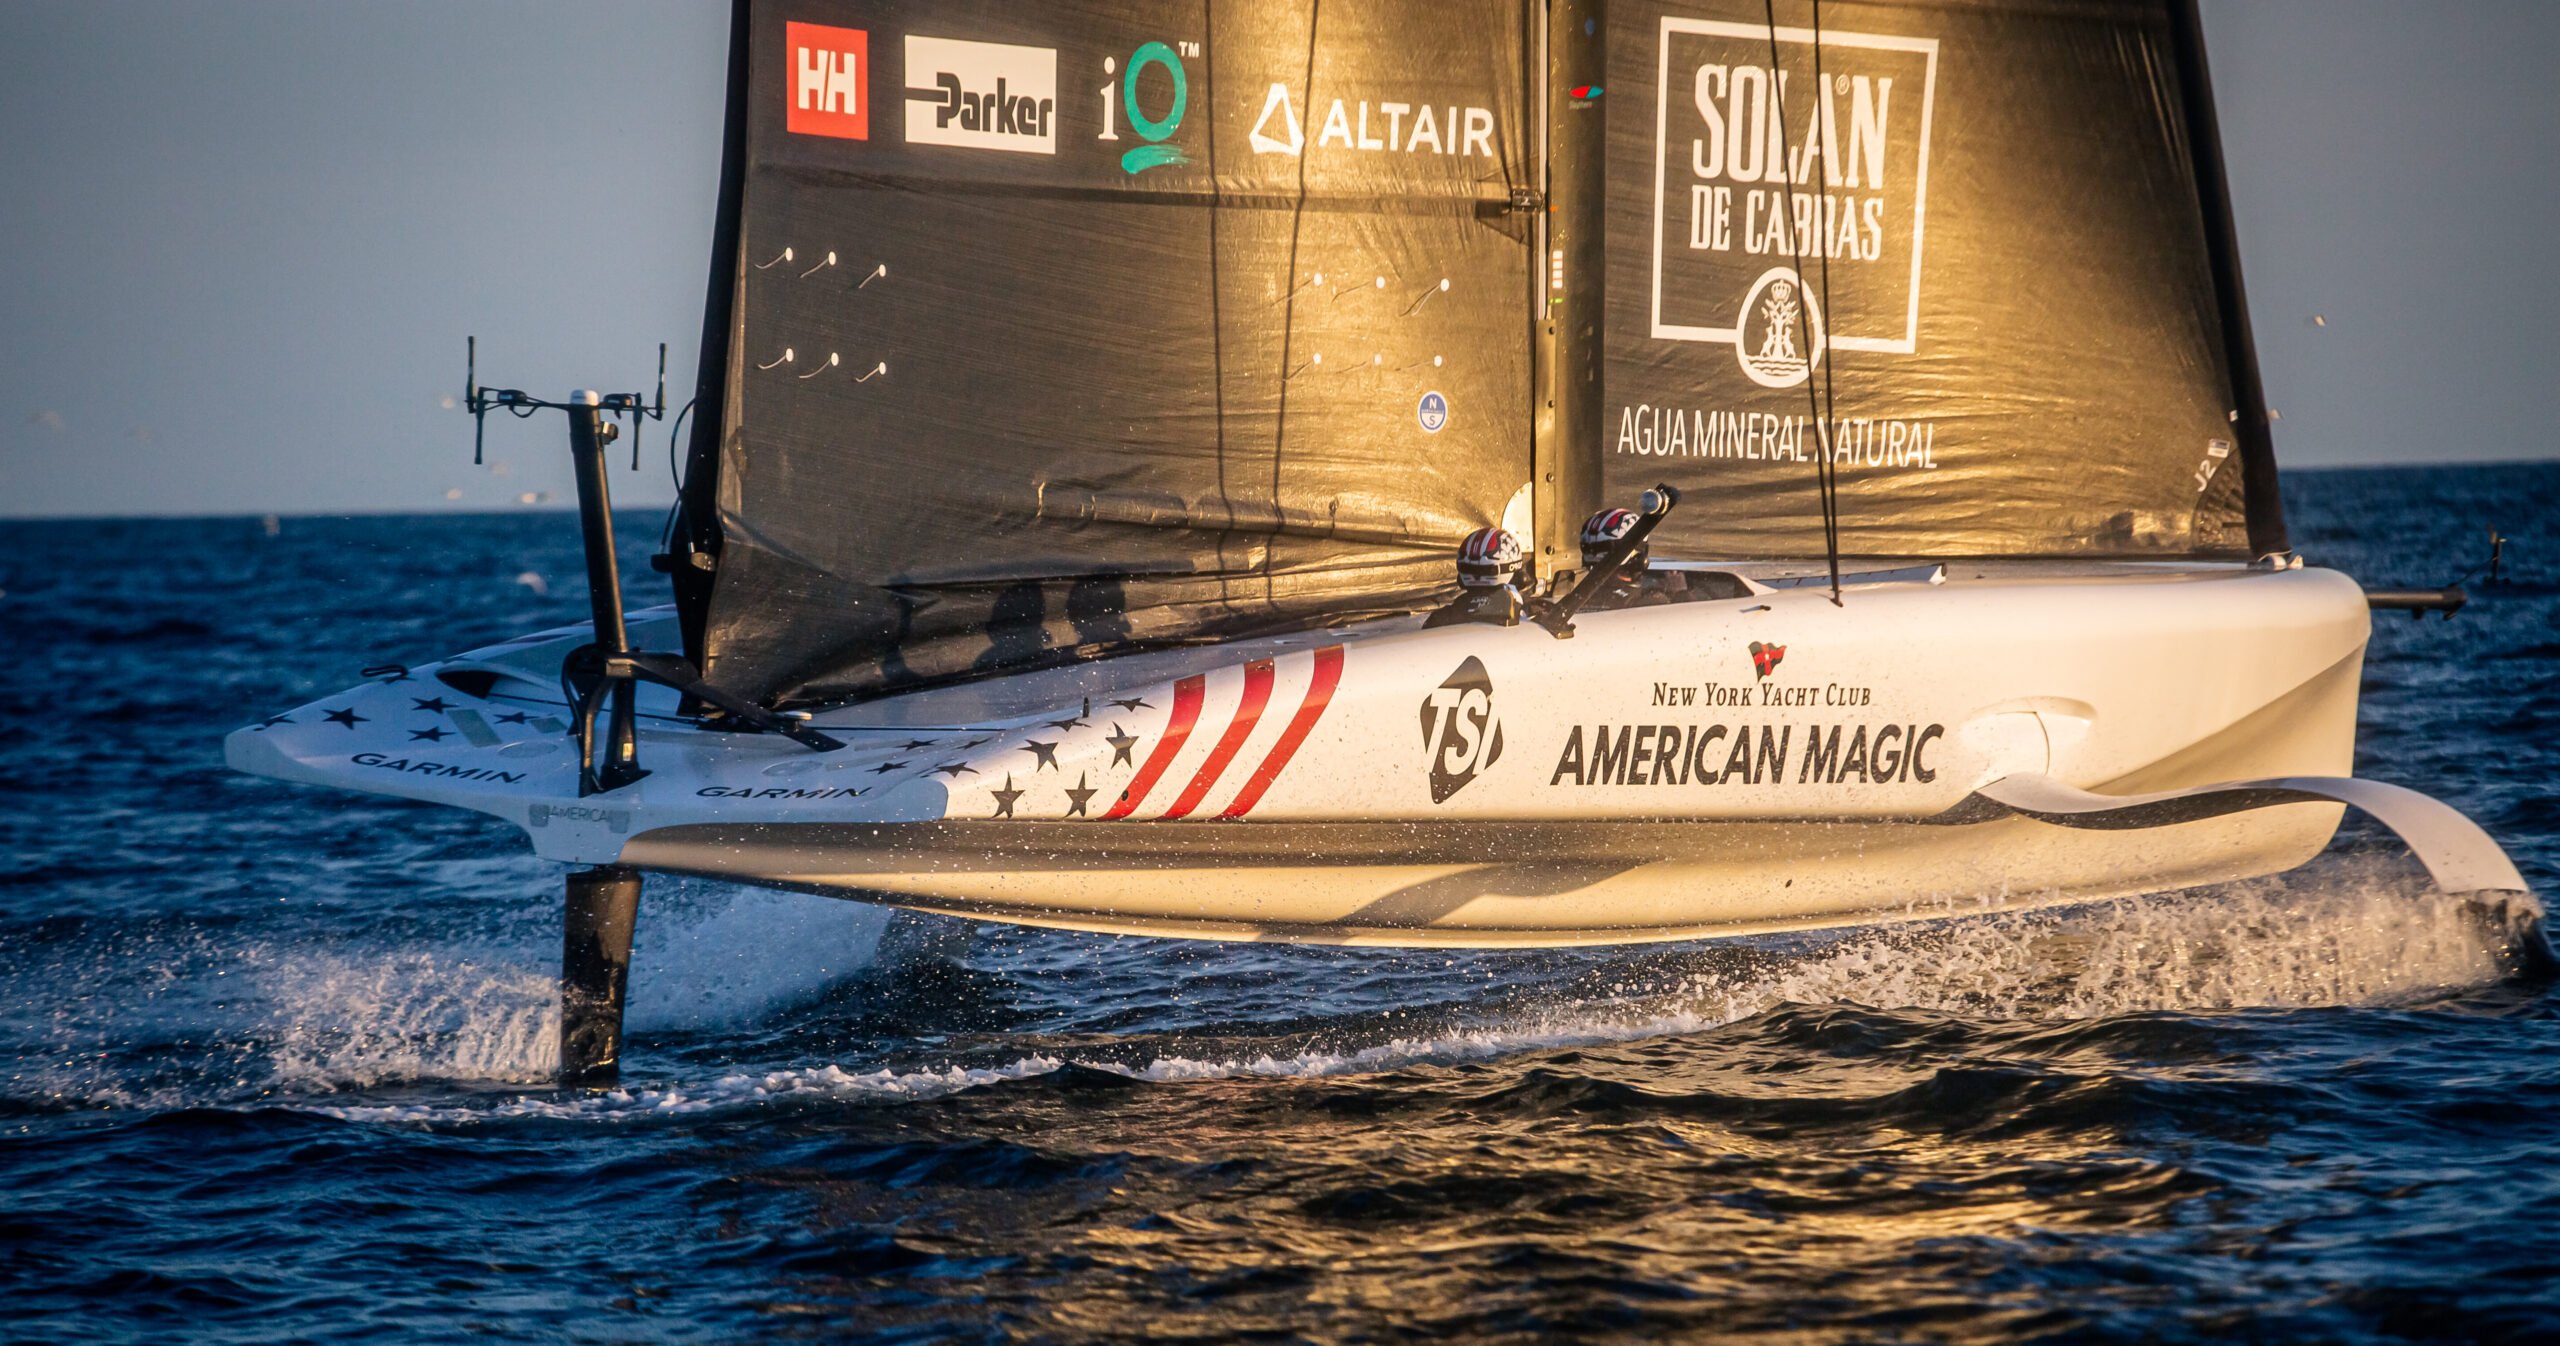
(1092, 395)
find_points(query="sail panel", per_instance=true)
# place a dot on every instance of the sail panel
(1969, 242)
(1067, 326)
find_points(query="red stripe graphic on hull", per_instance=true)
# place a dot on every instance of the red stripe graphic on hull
(1328, 675)
(1177, 730)
(1257, 694)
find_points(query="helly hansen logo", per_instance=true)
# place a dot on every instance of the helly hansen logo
(830, 81)
(982, 95)
(1459, 729)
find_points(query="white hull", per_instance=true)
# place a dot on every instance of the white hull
(1467, 785)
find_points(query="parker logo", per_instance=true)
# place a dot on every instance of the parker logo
(830, 81)
(1765, 657)
(1762, 177)
(982, 95)
(1459, 729)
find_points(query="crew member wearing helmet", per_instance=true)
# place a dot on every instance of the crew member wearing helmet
(1634, 585)
(1490, 563)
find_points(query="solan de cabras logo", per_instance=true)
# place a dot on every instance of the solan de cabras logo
(1459, 729)
(1762, 179)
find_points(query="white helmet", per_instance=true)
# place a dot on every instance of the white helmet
(1489, 558)
(1603, 531)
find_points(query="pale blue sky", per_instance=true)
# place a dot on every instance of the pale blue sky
(240, 243)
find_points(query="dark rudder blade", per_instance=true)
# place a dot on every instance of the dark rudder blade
(595, 964)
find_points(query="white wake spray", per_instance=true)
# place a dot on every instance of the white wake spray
(2351, 937)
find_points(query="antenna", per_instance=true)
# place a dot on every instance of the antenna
(471, 396)
(657, 412)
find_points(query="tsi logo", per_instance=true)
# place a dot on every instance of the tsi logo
(830, 81)
(1459, 729)
(982, 95)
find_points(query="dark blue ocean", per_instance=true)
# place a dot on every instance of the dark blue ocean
(271, 1058)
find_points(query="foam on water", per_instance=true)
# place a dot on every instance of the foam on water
(742, 955)
(2357, 938)
(357, 1022)
(242, 1020)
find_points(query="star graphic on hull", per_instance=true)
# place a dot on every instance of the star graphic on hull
(1042, 754)
(1064, 725)
(1134, 704)
(430, 734)
(273, 720)
(1121, 741)
(1079, 795)
(885, 768)
(914, 744)
(515, 717)
(346, 716)
(976, 743)
(433, 703)
(1005, 798)
(954, 770)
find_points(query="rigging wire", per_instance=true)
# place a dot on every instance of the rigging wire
(1819, 401)
(675, 473)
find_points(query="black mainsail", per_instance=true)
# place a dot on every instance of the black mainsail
(1067, 326)
(1969, 239)
(1048, 329)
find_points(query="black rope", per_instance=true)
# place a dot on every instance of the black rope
(675, 473)
(1818, 401)
(1289, 327)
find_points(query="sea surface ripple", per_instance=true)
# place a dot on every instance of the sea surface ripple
(271, 1058)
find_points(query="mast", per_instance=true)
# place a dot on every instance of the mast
(694, 549)
(2252, 427)
(1571, 341)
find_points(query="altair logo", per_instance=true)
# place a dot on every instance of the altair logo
(1453, 130)
(982, 95)
(830, 81)
(1124, 95)
(1459, 729)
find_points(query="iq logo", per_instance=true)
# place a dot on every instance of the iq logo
(1432, 412)
(1171, 91)
(830, 81)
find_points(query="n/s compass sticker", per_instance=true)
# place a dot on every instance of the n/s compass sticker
(1432, 412)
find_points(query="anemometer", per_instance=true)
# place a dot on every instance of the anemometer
(609, 670)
